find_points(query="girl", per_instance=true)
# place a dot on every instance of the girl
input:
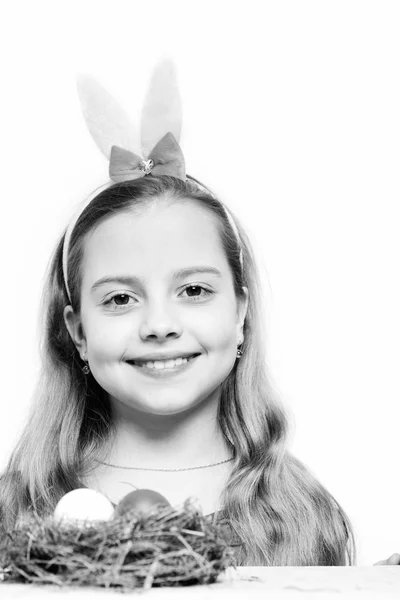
(154, 376)
(153, 357)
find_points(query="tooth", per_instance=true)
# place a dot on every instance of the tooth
(164, 364)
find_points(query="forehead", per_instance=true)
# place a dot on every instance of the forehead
(154, 240)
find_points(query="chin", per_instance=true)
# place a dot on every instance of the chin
(164, 404)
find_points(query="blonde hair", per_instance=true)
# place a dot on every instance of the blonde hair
(277, 510)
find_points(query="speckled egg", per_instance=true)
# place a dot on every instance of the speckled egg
(140, 500)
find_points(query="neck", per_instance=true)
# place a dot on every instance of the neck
(191, 438)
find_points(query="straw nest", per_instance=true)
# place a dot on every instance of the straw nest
(164, 547)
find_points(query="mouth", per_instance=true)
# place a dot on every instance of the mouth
(164, 365)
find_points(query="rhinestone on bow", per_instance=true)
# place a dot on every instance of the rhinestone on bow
(146, 166)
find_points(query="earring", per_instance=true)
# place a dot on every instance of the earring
(85, 369)
(239, 352)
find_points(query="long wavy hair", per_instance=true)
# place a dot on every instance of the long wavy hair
(280, 514)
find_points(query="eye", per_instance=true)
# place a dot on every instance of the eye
(193, 288)
(120, 300)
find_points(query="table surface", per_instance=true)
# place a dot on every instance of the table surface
(269, 583)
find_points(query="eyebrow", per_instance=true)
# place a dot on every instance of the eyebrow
(133, 279)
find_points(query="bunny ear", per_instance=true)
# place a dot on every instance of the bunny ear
(162, 109)
(108, 123)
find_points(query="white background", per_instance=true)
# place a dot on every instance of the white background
(291, 114)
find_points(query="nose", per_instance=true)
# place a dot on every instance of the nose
(159, 322)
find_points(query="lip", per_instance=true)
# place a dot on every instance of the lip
(163, 356)
(164, 373)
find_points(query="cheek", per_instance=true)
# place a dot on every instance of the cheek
(214, 329)
(216, 333)
(106, 338)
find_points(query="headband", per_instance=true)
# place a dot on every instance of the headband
(131, 156)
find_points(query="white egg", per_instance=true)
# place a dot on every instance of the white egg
(82, 505)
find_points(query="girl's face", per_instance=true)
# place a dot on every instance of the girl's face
(158, 283)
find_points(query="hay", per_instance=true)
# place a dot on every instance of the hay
(164, 547)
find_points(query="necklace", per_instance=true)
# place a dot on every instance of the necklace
(144, 469)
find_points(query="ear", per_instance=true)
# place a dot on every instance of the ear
(162, 108)
(106, 120)
(75, 329)
(242, 304)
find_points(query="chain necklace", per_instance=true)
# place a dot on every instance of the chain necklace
(144, 469)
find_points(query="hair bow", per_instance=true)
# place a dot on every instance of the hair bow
(166, 158)
(158, 151)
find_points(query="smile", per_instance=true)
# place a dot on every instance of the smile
(164, 368)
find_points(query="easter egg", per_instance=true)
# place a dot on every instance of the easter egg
(83, 505)
(141, 501)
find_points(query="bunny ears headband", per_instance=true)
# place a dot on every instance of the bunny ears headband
(132, 155)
